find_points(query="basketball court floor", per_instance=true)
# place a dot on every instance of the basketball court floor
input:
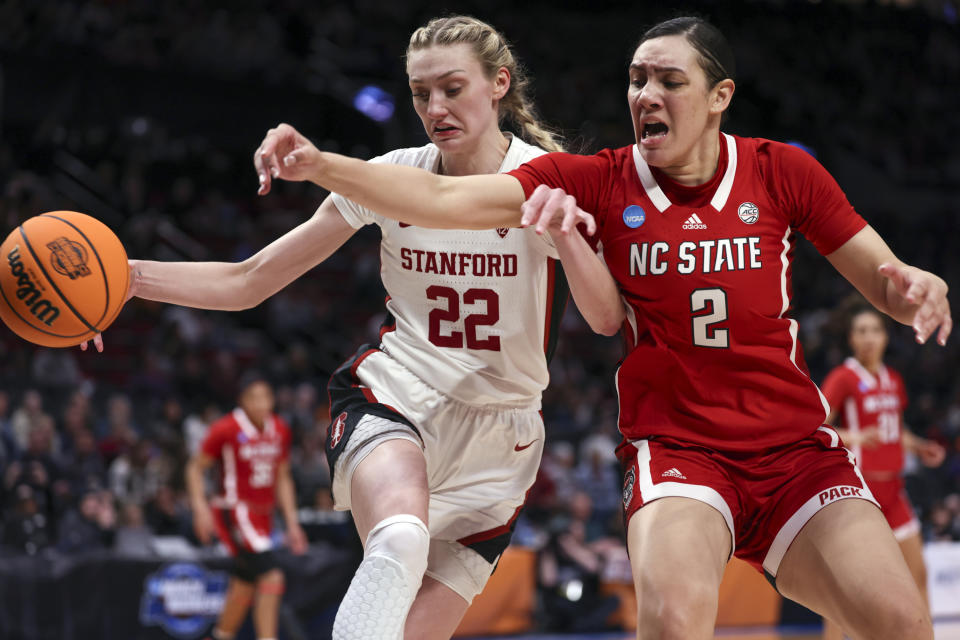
(945, 630)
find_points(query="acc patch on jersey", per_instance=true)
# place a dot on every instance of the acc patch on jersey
(749, 212)
(634, 216)
(629, 478)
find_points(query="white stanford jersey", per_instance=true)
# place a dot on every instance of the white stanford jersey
(706, 272)
(248, 459)
(473, 314)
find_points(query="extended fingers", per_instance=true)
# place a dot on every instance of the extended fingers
(933, 311)
(555, 204)
(265, 159)
(532, 208)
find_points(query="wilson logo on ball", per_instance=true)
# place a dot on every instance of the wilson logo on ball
(27, 291)
(68, 258)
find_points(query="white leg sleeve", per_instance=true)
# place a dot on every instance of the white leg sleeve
(376, 604)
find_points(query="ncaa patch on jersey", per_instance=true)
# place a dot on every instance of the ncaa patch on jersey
(634, 216)
(748, 212)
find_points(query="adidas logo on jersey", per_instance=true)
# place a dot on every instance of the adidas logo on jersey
(673, 473)
(694, 222)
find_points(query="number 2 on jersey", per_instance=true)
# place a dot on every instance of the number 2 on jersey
(703, 334)
(455, 339)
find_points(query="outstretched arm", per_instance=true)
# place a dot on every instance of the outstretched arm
(231, 286)
(407, 194)
(593, 288)
(907, 294)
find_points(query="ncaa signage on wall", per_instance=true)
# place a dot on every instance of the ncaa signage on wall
(183, 598)
(943, 577)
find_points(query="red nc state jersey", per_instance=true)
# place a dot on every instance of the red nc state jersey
(863, 400)
(705, 271)
(248, 459)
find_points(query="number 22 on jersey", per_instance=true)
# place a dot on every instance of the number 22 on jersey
(487, 315)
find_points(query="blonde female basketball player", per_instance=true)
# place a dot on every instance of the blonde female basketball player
(725, 451)
(436, 433)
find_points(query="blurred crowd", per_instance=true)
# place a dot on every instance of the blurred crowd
(92, 446)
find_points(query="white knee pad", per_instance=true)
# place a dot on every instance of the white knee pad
(403, 538)
(375, 606)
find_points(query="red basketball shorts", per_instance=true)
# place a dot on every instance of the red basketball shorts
(243, 529)
(895, 505)
(765, 498)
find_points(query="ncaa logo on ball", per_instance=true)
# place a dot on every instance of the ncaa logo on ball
(748, 212)
(68, 258)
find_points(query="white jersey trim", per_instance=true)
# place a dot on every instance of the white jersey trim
(245, 424)
(882, 380)
(654, 192)
(719, 200)
(660, 199)
(229, 476)
(852, 420)
(702, 493)
(631, 317)
(260, 543)
(789, 531)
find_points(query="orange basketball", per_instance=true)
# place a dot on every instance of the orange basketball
(63, 278)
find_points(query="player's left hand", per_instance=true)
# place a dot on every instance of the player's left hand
(297, 540)
(928, 293)
(554, 210)
(931, 454)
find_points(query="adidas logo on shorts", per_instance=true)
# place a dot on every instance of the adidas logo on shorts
(694, 222)
(673, 473)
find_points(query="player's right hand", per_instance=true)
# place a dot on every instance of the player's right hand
(554, 210)
(285, 154)
(203, 524)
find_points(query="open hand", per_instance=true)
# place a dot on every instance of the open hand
(929, 293)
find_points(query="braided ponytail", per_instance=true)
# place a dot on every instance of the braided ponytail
(493, 52)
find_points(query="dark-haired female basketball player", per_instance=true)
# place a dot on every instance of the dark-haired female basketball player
(725, 450)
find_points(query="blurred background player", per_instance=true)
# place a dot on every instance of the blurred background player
(867, 399)
(251, 445)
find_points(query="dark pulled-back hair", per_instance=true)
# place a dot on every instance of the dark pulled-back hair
(713, 50)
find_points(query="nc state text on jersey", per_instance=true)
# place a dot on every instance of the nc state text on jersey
(705, 256)
(493, 265)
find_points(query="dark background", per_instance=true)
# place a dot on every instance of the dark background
(146, 115)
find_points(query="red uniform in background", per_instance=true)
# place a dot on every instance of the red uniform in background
(864, 401)
(249, 458)
(716, 403)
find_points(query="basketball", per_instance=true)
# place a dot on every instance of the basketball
(63, 278)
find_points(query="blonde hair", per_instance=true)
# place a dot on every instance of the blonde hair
(493, 52)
